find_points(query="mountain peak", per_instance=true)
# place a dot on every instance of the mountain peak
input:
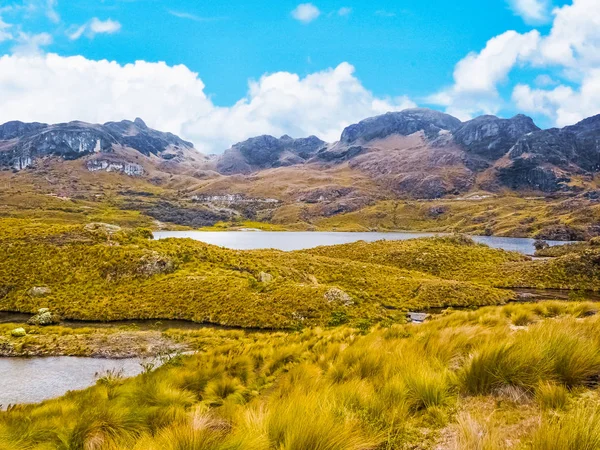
(140, 123)
(404, 123)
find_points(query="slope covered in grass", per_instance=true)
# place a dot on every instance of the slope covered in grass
(460, 258)
(465, 380)
(103, 274)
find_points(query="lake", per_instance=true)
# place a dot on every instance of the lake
(301, 240)
(32, 380)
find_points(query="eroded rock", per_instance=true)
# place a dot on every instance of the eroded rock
(336, 295)
(39, 291)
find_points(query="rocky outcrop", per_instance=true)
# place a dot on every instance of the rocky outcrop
(338, 297)
(491, 137)
(127, 168)
(44, 317)
(266, 152)
(404, 123)
(23, 143)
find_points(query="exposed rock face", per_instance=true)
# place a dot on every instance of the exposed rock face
(127, 168)
(403, 123)
(545, 160)
(491, 137)
(22, 143)
(265, 152)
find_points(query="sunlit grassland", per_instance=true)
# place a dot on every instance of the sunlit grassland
(103, 274)
(508, 215)
(466, 380)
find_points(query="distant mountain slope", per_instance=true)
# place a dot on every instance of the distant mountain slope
(23, 143)
(415, 153)
(266, 152)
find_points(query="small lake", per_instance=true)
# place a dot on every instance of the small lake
(32, 380)
(301, 240)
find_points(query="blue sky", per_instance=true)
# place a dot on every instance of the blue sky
(388, 54)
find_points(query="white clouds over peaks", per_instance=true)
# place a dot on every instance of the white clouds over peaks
(94, 27)
(306, 12)
(532, 11)
(571, 51)
(173, 99)
(322, 104)
(476, 77)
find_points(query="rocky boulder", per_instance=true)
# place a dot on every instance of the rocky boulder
(18, 332)
(44, 317)
(39, 291)
(339, 297)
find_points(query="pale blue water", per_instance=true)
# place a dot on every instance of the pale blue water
(32, 380)
(300, 240)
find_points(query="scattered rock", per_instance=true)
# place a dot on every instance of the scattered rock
(265, 277)
(437, 211)
(417, 317)
(105, 227)
(336, 295)
(39, 291)
(540, 244)
(44, 318)
(154, 264)
(18, 332)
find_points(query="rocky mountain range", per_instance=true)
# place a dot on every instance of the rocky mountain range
(418, 153)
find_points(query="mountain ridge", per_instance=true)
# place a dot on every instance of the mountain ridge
(417, 152)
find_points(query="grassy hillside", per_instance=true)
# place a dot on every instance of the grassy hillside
(93, 274)
(460, 258)
(515, 377)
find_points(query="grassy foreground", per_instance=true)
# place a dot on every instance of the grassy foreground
(101, 272)
(518, 377)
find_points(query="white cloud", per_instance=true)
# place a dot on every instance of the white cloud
(52, 88)
(571, 50)
(306, 12)
(344, 11)
(28, 43)
(574, 40)
(108, 26)
(5, 34)
(322, 104)
(477, 76)
(564, 104)
(94, 27)
(51, 12)
(532, 11)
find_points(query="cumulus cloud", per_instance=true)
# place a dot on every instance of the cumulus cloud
(564, 104)
(94, 27)
(52, 88)
(477, 76)
(322, 104)
(344, 11)
(571, 50)
(306, 12)
(532, 11)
